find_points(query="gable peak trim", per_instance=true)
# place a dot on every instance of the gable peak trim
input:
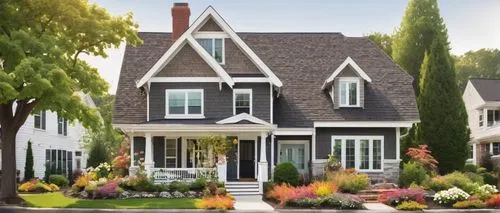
(347, 62)
(242, 116)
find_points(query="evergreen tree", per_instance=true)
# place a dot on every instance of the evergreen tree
(442, 112)
(29, 173)
(97, 154)
(421, 25)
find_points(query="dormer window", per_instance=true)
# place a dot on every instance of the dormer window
(349, 92)
(214, 46)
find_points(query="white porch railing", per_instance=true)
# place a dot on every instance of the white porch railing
(165, 175)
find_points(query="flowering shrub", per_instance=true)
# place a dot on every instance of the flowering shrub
(487, 189)
(398, 196)
(121, 162)
(469, 204)
(335, 201)
(494, 201)
(455, 179)
(281, 193)
(37, 186)
(91, 187)
(349, 181)
(102, 181)
(410, 206)
(450, 196)
(109, 190)
(423, 156)
(216, 202)
(102, 170)
(323, 188)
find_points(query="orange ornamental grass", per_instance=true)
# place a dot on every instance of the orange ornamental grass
(284, 193)
(323, 188)
(215, 202)
(494, 201)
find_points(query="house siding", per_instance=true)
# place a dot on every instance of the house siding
(218, 104)
(236, 62)
(324, 137)
(177, 67)
(210, 25)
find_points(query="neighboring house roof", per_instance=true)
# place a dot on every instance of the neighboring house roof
(488, 89)
(302, 61)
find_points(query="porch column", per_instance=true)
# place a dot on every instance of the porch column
(263, 176)
(148, 154)
(131, 140)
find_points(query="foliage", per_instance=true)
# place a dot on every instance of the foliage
(483, 63)
(455, 179)
(471, 168)
(102, 170)
(383, 41)
(286, 173)
(444, 129)
(396, 197)
(421, 25)
(412, 173)
(486, 162)
(485, 192)
(121, 162)
(450, 196)
(349, 182)
(110, 190)
(423, 156)
(323, 188)
(469, 204)
(36, 185)
(494, 201)
(198, 184)
(81, 182)
(216, 202)
(29, 173)
(489, 178)
(438, 183)
(111, 138)
(97, 154)
(213, 146)
(332, 164)
(411, 206)
(334, 201)
(41, 43)
(476, 178)
(59, 180)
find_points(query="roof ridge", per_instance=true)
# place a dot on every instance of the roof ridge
(484, 78)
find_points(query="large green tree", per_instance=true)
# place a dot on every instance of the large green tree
(442, 112)
(483, 63)
(40, 45)
(383, 41)
(421, 24)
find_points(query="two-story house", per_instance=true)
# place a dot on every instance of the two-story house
(283, 97)
(56, 143)
(482, 102)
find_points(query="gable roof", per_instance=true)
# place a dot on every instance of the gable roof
(187, 37)
(302, 61)
(348, 62)
(488, 89)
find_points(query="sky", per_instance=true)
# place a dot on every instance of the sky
(471, 24)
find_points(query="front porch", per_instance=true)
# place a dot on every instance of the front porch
(169, 154)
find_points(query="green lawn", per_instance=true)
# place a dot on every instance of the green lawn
(58, 200)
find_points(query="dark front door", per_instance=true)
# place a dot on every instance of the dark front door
(247, 159)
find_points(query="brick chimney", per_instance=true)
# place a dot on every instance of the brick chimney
(180, 19)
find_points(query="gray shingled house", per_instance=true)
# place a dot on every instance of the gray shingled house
(281, 97)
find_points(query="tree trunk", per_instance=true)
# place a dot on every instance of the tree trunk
(8, 191)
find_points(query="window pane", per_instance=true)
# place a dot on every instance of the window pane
(242, 103)
(496, 148)
(353, 93)
(194, 102)
(490, 117)
(293, 153)
(206, 44)
(218, 50)
(377, 154)
(497, 115)
(170, 153)
(349, 154)
(300, 158)
(343, 93)
(170, 163)
(364, 151)
(176, 101)
(38, 121)
(59, 125)
(337, 147)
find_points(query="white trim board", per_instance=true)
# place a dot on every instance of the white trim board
(243, 116)
(187, 37)
(348, 61)
(293, 131)
(243, 91)
(391, 124)
(207, 79)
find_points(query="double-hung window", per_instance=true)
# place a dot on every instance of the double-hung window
(363, 153)
(214, 47)
(170, 153)
(481, 118)
(242, 100)
(62, 126)
(39, 120)
(349, 92)
(184, 103)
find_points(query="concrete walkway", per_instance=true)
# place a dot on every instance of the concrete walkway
(379, 207)
(251, 203)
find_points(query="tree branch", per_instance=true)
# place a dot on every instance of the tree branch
(6, 32)
(44, 26)
(23, 110)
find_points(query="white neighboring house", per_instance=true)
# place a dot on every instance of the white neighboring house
(54, 141)
(482, 102)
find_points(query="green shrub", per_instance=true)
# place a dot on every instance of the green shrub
(143, 184)
(267, 187)
(29, 173)
(286, 173)
(471, 168)
(179, 186)
(476, 178)
(461, 181)
(410, 206)
(486, 162)
(437, 184)
(59, 180)
(349, 182)
(489, 178)
(412, 173)
(481, 170)
(97, 154)
(161, 187)
(469, 204)
(198, 184)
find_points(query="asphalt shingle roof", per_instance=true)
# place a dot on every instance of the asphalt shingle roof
(302, 61)
(488, 89)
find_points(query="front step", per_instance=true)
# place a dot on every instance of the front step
(243, 188)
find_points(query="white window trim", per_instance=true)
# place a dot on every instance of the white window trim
(357, 155)
(350, 80)
(185, 115)
(165, 151)
(213, 47)
(63, 127)
(306, 152)
(481, 118)
(242, 91)
(41, 115)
